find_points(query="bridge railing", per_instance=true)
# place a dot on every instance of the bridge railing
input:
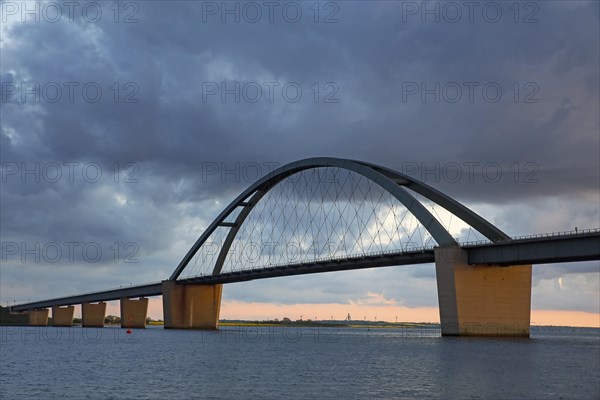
(416, 249)
(130, 286)
(113, 289)
(554, 234)
(536, 236)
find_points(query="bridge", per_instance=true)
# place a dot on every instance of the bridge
(326, 214)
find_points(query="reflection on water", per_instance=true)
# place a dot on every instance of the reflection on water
(272, 362)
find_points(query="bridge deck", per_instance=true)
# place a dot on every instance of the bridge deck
(539, 250)
(535, 250)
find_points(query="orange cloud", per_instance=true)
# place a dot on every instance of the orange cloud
(565, 318)
(373, 299)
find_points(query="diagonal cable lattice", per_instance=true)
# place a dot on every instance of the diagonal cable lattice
(313, 215)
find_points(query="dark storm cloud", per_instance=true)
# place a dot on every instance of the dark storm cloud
(169, 53)
(182, 141)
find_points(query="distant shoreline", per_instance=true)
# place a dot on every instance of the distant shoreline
(329, 324)
(20, 319)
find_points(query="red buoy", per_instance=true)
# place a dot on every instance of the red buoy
(129, 331)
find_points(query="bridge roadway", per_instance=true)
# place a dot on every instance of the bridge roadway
(542, 249)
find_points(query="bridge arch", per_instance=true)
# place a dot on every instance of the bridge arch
(391, 181)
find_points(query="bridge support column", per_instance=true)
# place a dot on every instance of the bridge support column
(134, 312)
(92, 315)
(62, 316)
(38, 317)
(191, 306)
(481, 300)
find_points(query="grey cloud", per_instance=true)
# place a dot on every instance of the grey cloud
(174, 138)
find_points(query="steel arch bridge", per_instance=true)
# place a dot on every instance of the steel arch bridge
(342, 215)
(394, 191)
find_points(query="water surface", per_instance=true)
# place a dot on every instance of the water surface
(296, 363)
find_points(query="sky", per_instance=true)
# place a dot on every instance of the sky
(127, 127)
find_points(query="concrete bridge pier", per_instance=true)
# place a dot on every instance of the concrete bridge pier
(62, 316)
(38, 317)
(134, 312)
(481, 300)
(92, 314)
(191, 306)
